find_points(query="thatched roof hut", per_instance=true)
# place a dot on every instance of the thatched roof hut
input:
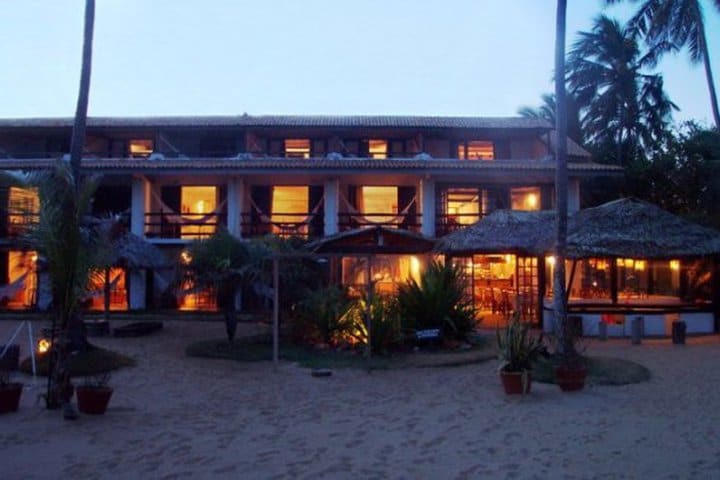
(625, 228)
(503, 231)
(637, 229)
(367, 240)
(132, 252)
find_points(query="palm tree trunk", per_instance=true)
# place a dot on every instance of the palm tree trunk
(561, 183)
(709, 77)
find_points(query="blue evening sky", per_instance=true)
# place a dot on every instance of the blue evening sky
(422, 57)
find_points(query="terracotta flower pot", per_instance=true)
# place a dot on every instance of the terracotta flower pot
(10, 397)
(93, 400)
(570, 379)
(516, 382)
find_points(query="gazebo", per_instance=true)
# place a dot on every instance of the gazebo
(627, 257)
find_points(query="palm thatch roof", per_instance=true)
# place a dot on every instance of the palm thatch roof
(637, 229)
(375, 240)
(133, 252)
(625, 228)
(503, 231)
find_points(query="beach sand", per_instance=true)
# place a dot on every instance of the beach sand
(179, 417)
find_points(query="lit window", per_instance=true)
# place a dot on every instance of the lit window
(22, 278)
(141, 147)
(23, 208)
(379, 200)
(297, 148)
(198, 209)
(476, 150)
(526, 198)
(290, 207)
(118, 292)
(464, 205)
(378, 149)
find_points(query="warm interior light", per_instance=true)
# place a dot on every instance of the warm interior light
(640, 265)
(297, 148)
(525, 198)
(290, 206)
(532, 201)
(377, 149)
(414, 267)
(675, 265)
(185, 257)
(141, 147)
(550, 260)
(197, 201)
(43, 345)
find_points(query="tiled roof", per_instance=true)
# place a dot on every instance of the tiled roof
(320, 164)
(387, 121)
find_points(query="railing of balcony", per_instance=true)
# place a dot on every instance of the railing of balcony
(403, 221)
(447, 223)
(18, 223)
(304, 225)
(188, 226)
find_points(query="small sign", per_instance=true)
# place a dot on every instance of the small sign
(428, 334)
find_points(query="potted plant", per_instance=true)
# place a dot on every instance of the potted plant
(571, 373)
(9, 393)
(93, 396)
(518, 348)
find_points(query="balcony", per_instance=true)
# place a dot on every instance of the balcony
(303, 225)
(188, 226)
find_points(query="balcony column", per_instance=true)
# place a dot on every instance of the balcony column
(140, 204)
(573, 197)
(235, 204)
(427, 199)
(332, 199)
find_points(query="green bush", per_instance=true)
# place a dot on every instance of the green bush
(386, 330)
(438, 301)
(323, 316)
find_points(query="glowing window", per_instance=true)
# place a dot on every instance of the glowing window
(118, 291)
(290, 207)
(379, 200)
(378, 149)
(464, 205)
(476, 150)
(23, 208)
(297, 148)
(22, 278)
(198, 205)
(141, 147)
(526, 198)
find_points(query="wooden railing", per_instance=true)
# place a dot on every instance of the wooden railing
(189, 226)
(304, 225)
(407, 221)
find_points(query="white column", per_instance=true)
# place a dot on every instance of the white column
(427, 198)
(137, 281)
(140, 201)
(235, 204)
(332, 199)
(573, 195)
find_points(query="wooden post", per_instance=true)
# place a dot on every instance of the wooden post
(276, 314)
(368, 305)
(613, 280)
(570, 280)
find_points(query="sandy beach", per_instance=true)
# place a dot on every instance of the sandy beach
(179, 417)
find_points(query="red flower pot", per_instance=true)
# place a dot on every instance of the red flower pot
(93, 400)
(516, 382)
(10, 397)
(570, 379)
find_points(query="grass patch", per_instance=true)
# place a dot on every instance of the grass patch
(601, 371)
(312, 358)
(93, 361)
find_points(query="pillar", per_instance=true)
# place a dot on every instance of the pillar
(140, 203)
(573, 198)
(427, 198)
(332, 199)
(137, 281)
(235, 205)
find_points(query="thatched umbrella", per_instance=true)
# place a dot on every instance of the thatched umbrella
(633, 228)
(503, 231)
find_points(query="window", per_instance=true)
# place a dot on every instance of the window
(297, 148)
(377, 202)
(140, 148)
(23, 208)
(387, 273)
(525, 198)
(290, 207)
(118, 292)
(198, 206)
(22, 276)
(377, 149)
(476, 150)
(464, 205)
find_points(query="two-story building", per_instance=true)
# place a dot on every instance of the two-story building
(176, 179)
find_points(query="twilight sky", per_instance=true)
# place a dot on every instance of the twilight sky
(421, 57)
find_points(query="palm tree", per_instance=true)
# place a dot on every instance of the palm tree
(625, 108)
(675, 24)
(561, 185)
(547, 111)
(224, 264)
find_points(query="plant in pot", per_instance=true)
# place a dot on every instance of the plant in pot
(94, 395)
(518, 348)
(9, 393)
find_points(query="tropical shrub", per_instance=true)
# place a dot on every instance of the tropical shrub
(518, 348)
(323, 316)
(439, 300)
(386, 329)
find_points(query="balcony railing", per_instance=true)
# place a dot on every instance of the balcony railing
(188, 226)
(304, 225)
(448, 223)
(403, 221)
(18, 223)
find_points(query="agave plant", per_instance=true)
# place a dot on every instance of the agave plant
(439, 300)
(386, 330)
(518, 348)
